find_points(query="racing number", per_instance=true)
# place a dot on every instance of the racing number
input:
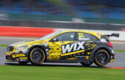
(80, 35)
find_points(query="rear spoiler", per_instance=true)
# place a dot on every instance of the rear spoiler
(113, 35)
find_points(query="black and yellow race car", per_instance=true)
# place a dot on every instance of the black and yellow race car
(83, 47)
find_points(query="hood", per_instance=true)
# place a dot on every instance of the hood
(17, 43)
(35, 42)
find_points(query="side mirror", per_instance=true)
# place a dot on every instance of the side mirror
(54, 40)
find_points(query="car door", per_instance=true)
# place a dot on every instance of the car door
(56, 46)
(77, 48)
(89, 40)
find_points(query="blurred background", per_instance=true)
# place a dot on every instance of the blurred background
(80, 14)
(25, 20)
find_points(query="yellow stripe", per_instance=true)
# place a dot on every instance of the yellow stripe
(23, 58)
(18, 55)
(72, 53)
(9, 60)
(87, 57)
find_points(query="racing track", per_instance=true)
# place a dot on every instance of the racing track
(119, 62)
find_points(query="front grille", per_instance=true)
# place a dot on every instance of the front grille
(9, 57)
(10, 48)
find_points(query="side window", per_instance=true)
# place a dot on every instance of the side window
(70, 36)
(85, 36)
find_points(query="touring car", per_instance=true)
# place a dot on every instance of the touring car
(83, 47)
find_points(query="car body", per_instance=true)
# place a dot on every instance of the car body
(85, 47)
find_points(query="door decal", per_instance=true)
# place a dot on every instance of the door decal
(73, 47)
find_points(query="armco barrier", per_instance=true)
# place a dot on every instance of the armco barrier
(24, 31)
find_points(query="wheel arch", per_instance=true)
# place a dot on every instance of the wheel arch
(99, 48)
(103, 48)
(38, 46)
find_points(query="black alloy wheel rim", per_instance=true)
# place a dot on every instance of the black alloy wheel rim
(37, 56)
(102, 58)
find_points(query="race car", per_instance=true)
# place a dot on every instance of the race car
(83, 47)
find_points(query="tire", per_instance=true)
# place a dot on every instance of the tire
(37, 56)
(101, 58)
(87, 64)
(23, 63)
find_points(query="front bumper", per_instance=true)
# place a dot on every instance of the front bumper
(112, 60)
(16, 57)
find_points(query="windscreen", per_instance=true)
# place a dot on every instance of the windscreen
(49, 36)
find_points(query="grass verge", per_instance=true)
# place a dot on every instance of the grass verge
(119, 50)
(59, 73)
(3, 45)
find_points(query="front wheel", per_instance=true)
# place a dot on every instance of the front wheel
(101, 58)
(37, 56)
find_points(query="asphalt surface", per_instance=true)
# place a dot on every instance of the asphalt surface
(119, 62)
(119, 46)
(2, 55)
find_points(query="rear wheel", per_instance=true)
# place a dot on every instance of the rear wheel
(101, 58)
(37, 56)
(87, 63)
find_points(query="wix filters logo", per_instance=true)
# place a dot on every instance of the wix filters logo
(72, 47)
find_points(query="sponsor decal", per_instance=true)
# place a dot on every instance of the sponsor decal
(84, 39)
(98, 34)
(73, 47)
(71, 56)
(45, 42)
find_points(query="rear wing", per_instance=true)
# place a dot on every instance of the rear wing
(112, 35)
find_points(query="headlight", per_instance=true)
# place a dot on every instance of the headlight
(22, 47)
